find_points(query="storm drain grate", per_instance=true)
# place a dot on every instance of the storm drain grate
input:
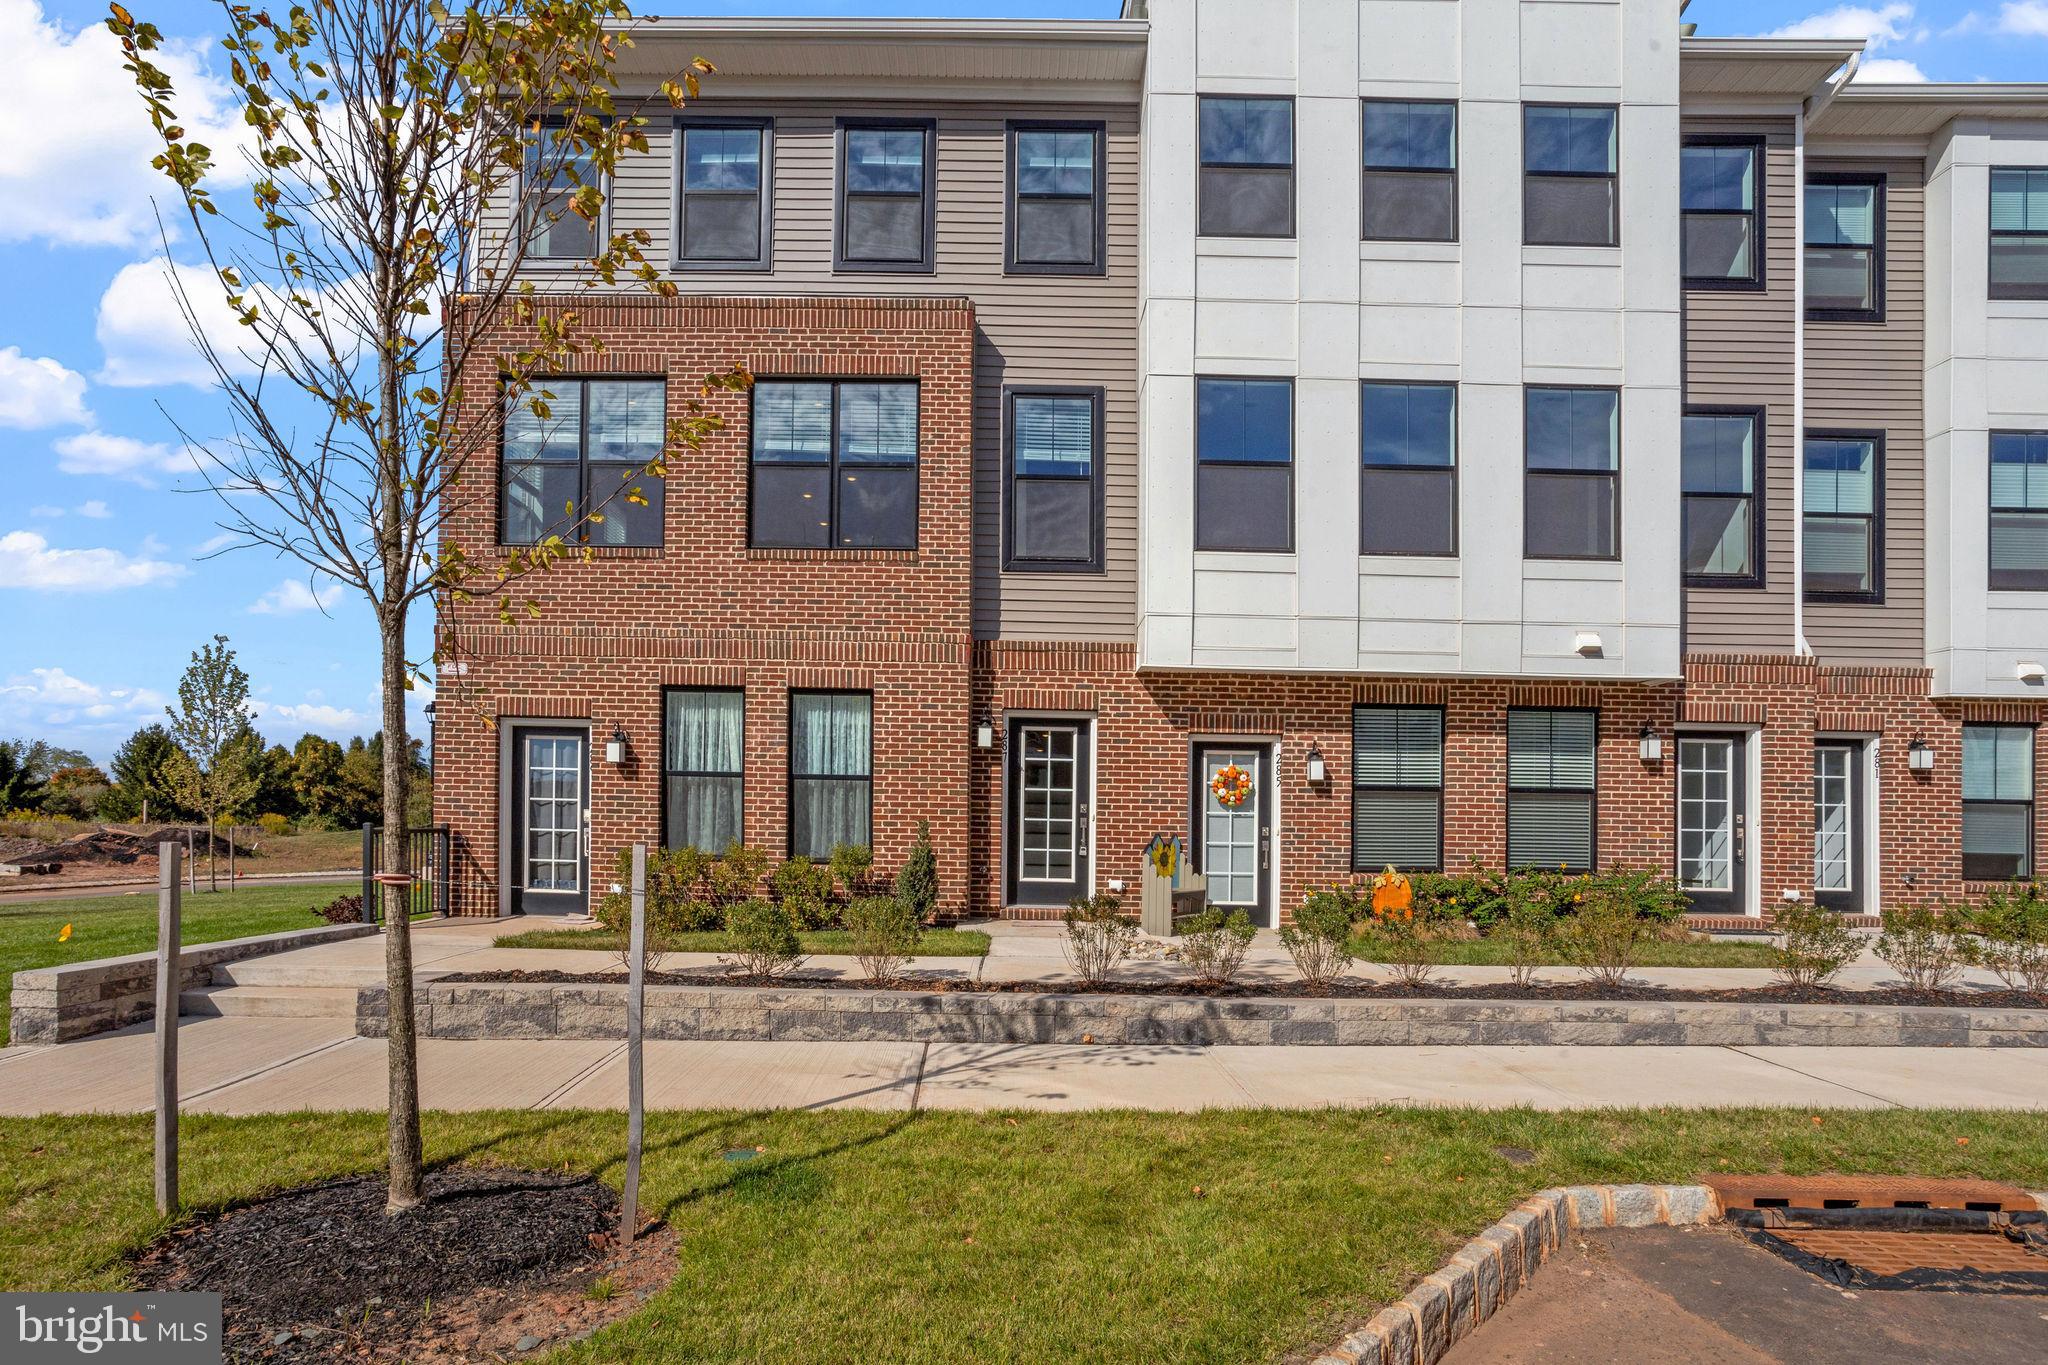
(1868, 1192)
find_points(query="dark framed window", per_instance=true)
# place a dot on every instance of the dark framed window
(886, 205)
(2019, 232)
(1247, 167)
(1845, 248)
(703, 761)
(1056, 212)
(1842, 540)
(1721, 198)
(1244, 464)
(552, 175)
(1052, 469)
(575, 456)
(2019, 511)
(1721, 471)
(1571, 175)
(834, 464)
(1572, 487)
(1408, 479)
(831, 771)
(1397, 788)
(725, 170)
(1411, 171)
(1552, 788)
(1998, 802)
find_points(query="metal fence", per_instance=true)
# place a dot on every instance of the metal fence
(426, 861)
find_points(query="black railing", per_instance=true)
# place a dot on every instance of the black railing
(426, 862)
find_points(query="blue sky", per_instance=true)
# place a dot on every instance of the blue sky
(104, 585)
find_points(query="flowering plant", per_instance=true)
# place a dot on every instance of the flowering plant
(1231, 786)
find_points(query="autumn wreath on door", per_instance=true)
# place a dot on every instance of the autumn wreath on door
(1231, 786)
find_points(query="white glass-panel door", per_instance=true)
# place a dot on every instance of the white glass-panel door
(1710, 822)
(554, 813)
(1233, 835)
(1047, 846)
(1837, 824)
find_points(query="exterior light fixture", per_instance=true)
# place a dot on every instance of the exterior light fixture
(1587, 643)
(984, 736)
(1318, 771)
(1650, 745)
(615, 747)
(1920, 755)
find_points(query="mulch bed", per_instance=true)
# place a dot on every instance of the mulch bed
(493, 1265)
(1295, 990)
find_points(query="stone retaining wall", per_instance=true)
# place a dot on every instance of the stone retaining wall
(567, 1010)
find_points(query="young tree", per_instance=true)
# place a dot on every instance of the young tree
(374, 267)
(142, 782)
(213, 771)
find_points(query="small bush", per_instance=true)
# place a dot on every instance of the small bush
(854, 866)
(805, 889)
(1604, 936)
(1525, 926)
(736, 875)
(1319, 940)
(677, 900)
(1818, 943)
(917, 881)
(1926, 944)
(1214, 944)
(321, 823)
(884, 936)
(2012, 928)
(1476, 894)
(273, 823)
(764, 942)
(342, 910)
(1099, 938)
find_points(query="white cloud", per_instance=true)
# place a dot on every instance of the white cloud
(312, 715)
(2027, 17)
(94, 509)
(120, 457)
(44, 697)
(27, 560)
(1890, 70)
(75, 141)
(1886, 24)
(143, 333)
(36, 391)
(293, 596)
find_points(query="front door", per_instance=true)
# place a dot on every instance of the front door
(1712, 820)
(1049, 862)
(1838, 825)
(550, 821)
(1233, 804)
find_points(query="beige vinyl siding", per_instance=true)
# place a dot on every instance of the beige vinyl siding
(1035, 329)
(1739, 353)
(1865, 375)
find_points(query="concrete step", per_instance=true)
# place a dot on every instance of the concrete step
(283, 970)
(272, 1002)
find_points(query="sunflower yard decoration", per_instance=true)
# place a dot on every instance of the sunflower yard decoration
(1231, 786)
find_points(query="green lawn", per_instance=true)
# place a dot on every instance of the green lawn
(108, 926)
(818, 942)
(1487, 952)
(947, 1237)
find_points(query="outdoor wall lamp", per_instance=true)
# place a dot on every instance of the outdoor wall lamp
(984, 736)
(1920, 755)
(1650, 745)
(615, 747)
(1318, 771)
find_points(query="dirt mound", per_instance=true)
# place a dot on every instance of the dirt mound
(110, 846)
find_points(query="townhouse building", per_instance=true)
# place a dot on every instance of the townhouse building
(1337, 433)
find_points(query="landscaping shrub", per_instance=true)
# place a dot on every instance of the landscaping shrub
(2011, 924)
(1604, 935)
(1818, 943)
(1319, 940)
(1477, 894)
(884, 936)
(1528, 917)
(1215, 944)
(272, 823)
(805, 889)
(854, 866)
(1927, 944)
(677, 899)
(342, 910)
(1099, 938)
(736, 875)
(764, 942)
(917, 881)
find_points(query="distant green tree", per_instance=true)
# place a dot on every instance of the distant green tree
(142, 783)
(316, 776)
(20, 788)
(46, 760)
(77, 791)
(361, 784)
(213, 772)
(274, 791)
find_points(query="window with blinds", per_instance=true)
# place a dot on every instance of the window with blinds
(1397, 788)
(1551, 767)
(1056, 201)
(2019, 510)
(1845, 248)
(1053, 519)
(1840, 555)
(2019, 232)
(1998, 802)
(721, 195)
(886, 206)
(575, 455)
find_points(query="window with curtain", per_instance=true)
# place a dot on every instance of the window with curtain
(703, 756)
(1397, 788)
(1844, 248)
(1056, 198)
(834, 464)
(1571, 175)
(575, 459)
(554, 172)
(1844, 500)
(1408, 483)
(722, 205)
(831, 771)
(2019, 510)
(1411, 171)
(1719, 192)
(1244, 464)
(1571, 505)
(2019, 232)
(1551, 788)
(1718, 464)
(1247, 168)
(1054, 512)
(1998, 802)
(885, 195)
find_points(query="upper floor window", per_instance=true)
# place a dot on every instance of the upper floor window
(1998, 802)
(1571, 172)
(1552, 772)
(1411, 171)
(1247, 171)
(1397, 788)
(1719, 467)
(834, 465)
(2019, 510)
(722, 210)
(886, 215)
(1054, 455)
(703, 758)
(831, 771)
(1571, 503)
(1844, 499)
(1845, 248)
(555, 171)
(1720, 197)
(1244, 464)
(576, 453)
(1408, 480)
(1056, 199)
(2019, 233)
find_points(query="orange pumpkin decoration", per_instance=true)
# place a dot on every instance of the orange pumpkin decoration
(1392, 894)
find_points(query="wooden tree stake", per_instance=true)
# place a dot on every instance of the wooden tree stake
(636, 1076)
(169, 978)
